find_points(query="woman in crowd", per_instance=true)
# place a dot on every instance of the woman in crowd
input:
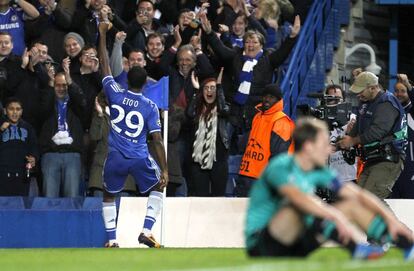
(73, 44)
(209, 111)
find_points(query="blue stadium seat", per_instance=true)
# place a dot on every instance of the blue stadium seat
(11, 203)
(56, 203)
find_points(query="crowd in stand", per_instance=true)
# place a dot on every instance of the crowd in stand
(220, 56)
(56, 122)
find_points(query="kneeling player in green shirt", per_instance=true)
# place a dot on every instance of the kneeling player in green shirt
(285, 218)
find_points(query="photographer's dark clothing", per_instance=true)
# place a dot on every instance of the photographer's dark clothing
(379, 120)
(16, 142)
(380, 126)
(404, 186)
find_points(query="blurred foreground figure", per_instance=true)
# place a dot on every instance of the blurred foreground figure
(285, 218)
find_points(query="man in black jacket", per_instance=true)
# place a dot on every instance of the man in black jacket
(61, 137)
(143, 25)
(181, 91)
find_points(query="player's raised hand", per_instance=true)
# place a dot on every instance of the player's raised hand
(103, 27)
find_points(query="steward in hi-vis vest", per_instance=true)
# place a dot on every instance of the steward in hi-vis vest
(271, 134)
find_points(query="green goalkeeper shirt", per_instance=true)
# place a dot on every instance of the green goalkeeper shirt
(265, 201)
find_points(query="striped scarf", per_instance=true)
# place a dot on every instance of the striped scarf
(246, 77)
(236, 41)
(204, 147)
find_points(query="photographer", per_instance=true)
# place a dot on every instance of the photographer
(380, 130)
(346, 171)
(404, 186)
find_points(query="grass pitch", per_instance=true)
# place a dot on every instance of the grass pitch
(187, 259)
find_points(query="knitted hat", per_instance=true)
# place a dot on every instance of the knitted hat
(76, 37)
(274, 90)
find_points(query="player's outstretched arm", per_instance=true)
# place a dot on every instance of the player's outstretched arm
(103, 54)
(161, 157)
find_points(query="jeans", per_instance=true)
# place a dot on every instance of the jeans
(61, 169)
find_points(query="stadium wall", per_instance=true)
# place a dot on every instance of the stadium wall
(207, 222)
(189, 222)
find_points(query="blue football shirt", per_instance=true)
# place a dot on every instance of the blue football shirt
(11, 22)
(132, 117)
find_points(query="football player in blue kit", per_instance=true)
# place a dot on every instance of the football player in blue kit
(132, 117)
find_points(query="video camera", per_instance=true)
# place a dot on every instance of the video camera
(331, 110)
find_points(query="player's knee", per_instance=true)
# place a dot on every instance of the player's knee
(286, 226)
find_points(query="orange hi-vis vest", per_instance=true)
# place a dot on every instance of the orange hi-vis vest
(257, 153)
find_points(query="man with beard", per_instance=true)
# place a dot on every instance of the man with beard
(271, 135)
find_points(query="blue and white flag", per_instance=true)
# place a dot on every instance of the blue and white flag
(157, 92)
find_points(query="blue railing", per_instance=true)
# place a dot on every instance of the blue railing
(313, 53)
